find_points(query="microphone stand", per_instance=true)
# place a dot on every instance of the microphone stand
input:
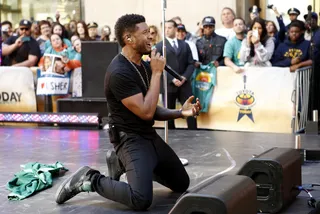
(165, 96)
(164, 53)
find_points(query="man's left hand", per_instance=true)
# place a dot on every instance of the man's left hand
(189, 109)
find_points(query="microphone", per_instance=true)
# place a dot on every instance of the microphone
(173, 72)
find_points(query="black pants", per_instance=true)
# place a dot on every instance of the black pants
(183, 93)
(145, 160)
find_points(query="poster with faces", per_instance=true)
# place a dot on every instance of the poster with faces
(53, 64)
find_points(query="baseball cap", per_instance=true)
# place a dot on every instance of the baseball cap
(25, 23)
(208, 20)
(182, 27)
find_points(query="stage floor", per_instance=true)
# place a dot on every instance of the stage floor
(208, 152)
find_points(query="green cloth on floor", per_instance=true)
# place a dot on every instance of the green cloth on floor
(33, 178)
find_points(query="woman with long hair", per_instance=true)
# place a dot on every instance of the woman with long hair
(271, 28)
(60, 30)
(155, 34)
(257, 49)
(82, 31)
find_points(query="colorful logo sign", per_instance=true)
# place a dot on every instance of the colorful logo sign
(245, 99)
(203, 81)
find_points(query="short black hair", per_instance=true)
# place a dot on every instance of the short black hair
(126, 23)
(173, 22)
(6, 23)
(299, 24)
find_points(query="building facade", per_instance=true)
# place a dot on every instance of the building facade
(106, 12)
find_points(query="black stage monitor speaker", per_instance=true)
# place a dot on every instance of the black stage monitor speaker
(83, 105)
(96, 57)
(276, 173)
(230, 194)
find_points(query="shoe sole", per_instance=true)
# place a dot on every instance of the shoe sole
(65, 182)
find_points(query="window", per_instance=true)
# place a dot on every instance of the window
(37, 10)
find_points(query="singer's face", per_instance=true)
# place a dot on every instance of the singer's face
(142, 41)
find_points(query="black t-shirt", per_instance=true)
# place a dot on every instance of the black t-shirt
(22, 53)
(122, 81)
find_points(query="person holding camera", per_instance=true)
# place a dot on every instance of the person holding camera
(257, 48)
(22, 50)
(278, 35)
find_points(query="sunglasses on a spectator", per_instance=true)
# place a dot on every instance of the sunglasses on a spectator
(24, 29)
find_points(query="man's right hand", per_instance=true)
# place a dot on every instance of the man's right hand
(157, 62)
(295, 60)
(19, 42)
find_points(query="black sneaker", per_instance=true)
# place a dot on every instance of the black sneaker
(76, 183)
(115, 168)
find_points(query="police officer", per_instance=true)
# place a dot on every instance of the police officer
(93, 31)
(254, 13)
(210, 46)
(293, 15)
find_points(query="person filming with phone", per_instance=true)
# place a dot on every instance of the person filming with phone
(21, 50)
(257, 49)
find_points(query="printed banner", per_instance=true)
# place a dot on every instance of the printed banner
(51, 77)
(259, 100)
(17, 90)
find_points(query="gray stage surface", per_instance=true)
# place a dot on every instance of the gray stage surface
(209, 153)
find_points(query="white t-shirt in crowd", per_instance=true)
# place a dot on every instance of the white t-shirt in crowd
(228, 33)
(194, 50)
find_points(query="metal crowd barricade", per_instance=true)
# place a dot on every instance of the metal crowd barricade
(301, 98)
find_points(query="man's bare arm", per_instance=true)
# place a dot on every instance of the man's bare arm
(163, 114)
(31, 61)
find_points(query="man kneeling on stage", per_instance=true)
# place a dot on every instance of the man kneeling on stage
(132, 89)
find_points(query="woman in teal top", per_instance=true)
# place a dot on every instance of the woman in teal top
(60, 30)
(71, 59)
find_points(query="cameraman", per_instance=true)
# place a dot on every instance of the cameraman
(22, 50)
(311, 25)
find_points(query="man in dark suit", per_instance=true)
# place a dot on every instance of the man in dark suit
(179, 57)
